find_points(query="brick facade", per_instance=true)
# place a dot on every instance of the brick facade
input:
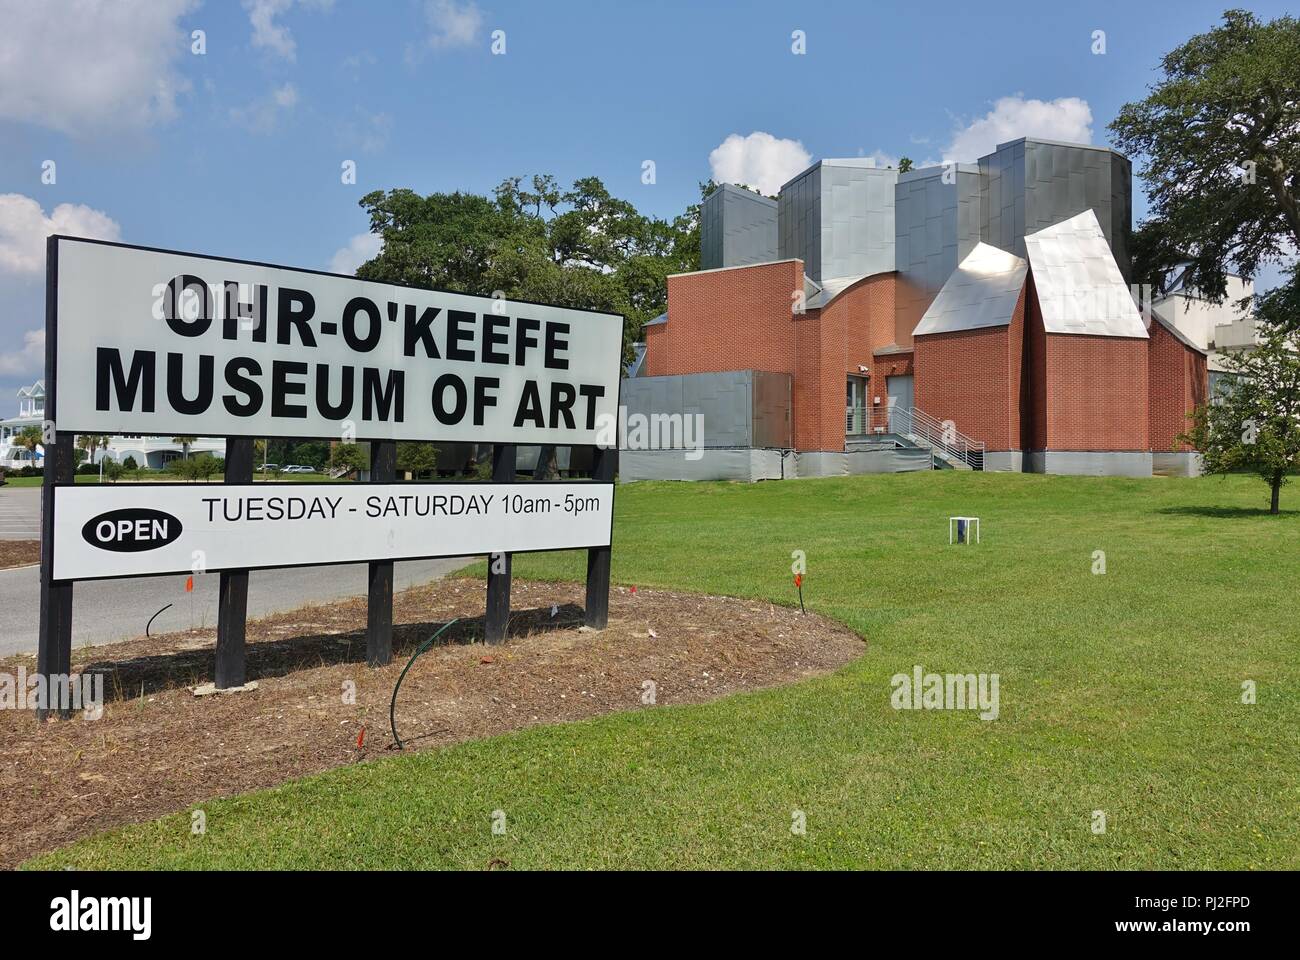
(972, 377)
(742, 319)
(1014, 387)
(735, 319)
(1179, 382)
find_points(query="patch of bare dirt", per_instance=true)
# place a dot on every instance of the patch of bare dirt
(158, 748)
(19, 553)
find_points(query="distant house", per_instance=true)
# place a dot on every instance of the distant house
(31, 413)
(150, 452)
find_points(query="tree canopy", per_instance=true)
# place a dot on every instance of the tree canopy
(1219, 135)
(577, 247)
(1253, 422)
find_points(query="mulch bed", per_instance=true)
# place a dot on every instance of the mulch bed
(19, 553)
(158, 748)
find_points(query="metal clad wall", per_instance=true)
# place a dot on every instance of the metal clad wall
(798, 225)
(737, 228)
(711, 231)
(1031, 184)
(936, 225)
(741, 408)
(857, 227)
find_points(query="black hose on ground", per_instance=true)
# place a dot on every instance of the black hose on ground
(392, 706)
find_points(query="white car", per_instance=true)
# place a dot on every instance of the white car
(297, 468)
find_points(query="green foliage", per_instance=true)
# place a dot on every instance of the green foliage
(29, 437)
(349, 456)
(203, 467)
(580, 247)
(1220, 136)
(417, 458)
(904, 164)
(113, 471)
(1253, 424)
(129, 464)
(309, 453)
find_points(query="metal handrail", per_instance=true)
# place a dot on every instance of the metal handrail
(918, 425)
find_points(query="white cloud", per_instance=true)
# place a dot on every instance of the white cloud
(263, 114)
(24, 227)
(759, 160)
(362, 247)
(452, 24)
(270, 35)
(267, 34)
(1066, 118)
(27, 360)
(106, 65)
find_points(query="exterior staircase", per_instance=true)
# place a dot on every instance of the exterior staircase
(893, 427)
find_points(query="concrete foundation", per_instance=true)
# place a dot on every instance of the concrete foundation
(819, 464)
(745, 465)
(903, 460)
(1187, 464)
(1004, 461)
(1089, 463)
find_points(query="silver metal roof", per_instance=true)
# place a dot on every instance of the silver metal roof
(828, 290)
(662, 318)
(982, 292)
(1079, 285)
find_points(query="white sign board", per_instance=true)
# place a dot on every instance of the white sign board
(139, 529)
(161, 343)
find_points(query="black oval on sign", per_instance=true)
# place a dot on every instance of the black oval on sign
(131, 530)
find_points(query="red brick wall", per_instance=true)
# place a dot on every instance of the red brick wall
(741, 319)
(972, 377)
(1033, 373)
(1179, 382)
(1096, 393)
(1082, 392)
(656, 346)
(858, 322)
(738, 319)
(1015, 369)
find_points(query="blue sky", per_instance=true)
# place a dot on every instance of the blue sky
(238, 151)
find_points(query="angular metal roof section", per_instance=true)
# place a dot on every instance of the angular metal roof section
(1079, 286)
(830, 289)
(982, 292)
(662, 318)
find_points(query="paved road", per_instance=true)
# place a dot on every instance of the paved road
(20, 513)
(108, 610)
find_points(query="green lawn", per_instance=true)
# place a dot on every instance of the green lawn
(1119, 693)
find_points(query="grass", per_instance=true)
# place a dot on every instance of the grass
(1119, 692)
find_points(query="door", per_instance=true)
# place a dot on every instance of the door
(855, 404)
(901, 401)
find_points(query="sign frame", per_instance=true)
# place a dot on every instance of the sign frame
(52, 354)
(320, 486)
(55, 633)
